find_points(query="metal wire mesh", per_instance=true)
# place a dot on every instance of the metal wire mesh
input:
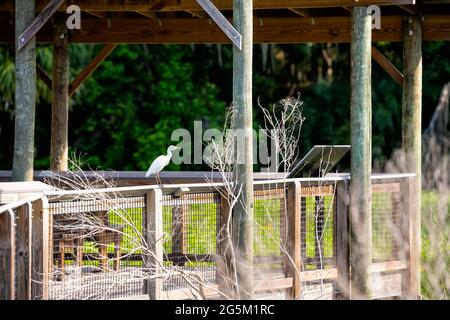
(270, 234)
(190, 224)
(96, 248)
(386, 213)
(318, 227)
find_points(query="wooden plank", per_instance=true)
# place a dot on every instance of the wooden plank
(38, 23)
(387, 285)
(412, 136)
(315, 275)
(387, 66)
(91, 67)
(388, 266)
(7, 254)
(186, 294)
(155, 240)
(243, 229)
(43, 75)
(275, 284)
(293, 246)
(59, 140)
(319, 191)
(25, 96)
(222, 22)
(386, 187)
(23, 252)
(342, 241)
(179, 230)
(361, 153)
(186, 5)
(224, 263)
(40, 250)
(271, 30)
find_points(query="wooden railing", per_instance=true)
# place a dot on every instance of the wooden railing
(316, 241)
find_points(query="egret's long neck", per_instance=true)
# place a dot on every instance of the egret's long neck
(169, 154)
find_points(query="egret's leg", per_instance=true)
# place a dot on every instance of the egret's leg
(158, 179)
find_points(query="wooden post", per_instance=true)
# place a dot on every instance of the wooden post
(40, 250)
(179, 232)
(25, 96)
(342, 240)
(154, 241)
(23, 249)
(361, 153)
(223, 262)
(7, 254)
(412, 135)
(242, 97)
(60, 100)
(293, 263)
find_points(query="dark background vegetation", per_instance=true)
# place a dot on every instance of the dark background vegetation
(123, 116)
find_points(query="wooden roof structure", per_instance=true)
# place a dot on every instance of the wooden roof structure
(275, 21)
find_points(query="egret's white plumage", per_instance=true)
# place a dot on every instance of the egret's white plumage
(160, 162)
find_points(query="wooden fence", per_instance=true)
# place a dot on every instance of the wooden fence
(301, 241)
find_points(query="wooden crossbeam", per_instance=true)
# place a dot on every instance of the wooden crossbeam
(43, 75)
(271, 30)
(387, 66)
(38, 23)
(92, 66)
(177, 5)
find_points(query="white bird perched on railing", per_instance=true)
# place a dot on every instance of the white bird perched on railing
(159, 163)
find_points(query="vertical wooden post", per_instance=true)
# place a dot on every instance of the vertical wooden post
(39, 250)
(60, 100)
(342, 240)
(412, 134)
(154, 241)
(293, 263)
(25, 96)
(242, 97)
(224, 264)
(361, 153)
(179, 232)
(7, 254)
(23, 249)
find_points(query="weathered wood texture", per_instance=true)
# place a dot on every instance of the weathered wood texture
(23, 252)
(7, 254)
(342, 241)
(40, 250)
(91, 67)
(293, 245)
(361, 153)
(387, 66)
(242, 98)
(25, 96)
(59, 145)
(412, 134)
(38, 23)
(154, 240)
(200, 30)
(43, 75)
(187, 5)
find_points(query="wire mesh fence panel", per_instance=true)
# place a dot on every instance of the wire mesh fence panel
(318, 227)
(97, 248)
(270, 234)
(190, 224)
(386, 219)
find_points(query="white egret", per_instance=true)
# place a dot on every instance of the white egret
(159, 163)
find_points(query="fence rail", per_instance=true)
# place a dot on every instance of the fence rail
(173, 243)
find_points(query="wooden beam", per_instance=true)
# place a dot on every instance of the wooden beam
(38, 23)
(361, 154)
(243, 231)
(91, 67)
(25, 96)
(412, 136)
(7, 254)
(23, 252)
(40, 250)
(342, 241)
(293, 246)
(177, 5)
(59, 144)
(272, 30)
(387, 66)
(43, 75)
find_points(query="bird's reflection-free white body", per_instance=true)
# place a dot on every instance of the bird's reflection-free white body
(159, 163)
